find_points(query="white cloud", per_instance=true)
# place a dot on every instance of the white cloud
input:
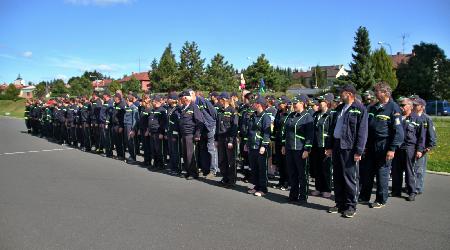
(98, 2)
(62, 77)
(27, 54)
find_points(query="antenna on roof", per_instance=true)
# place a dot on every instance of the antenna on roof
(404, 36)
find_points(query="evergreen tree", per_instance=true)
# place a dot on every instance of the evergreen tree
(361, 69)
(164, 75)
(220, 75)
(384, 68)
(260, 69)
(190, 69)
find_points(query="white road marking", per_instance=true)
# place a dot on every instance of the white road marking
(35, 151)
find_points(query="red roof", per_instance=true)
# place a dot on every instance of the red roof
(142, 76)
(101, 83)
(400, 58)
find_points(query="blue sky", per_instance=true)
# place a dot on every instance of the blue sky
(43, 39)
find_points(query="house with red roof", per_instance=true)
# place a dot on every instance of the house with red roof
(141, 77)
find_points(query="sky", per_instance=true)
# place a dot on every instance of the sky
(46, 39)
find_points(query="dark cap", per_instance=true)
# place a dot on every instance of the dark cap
(413, 97)
(234, 94)
(172, 96)
(261, 100)
(214, 93)
(118, 95)
(300, 98)
(224, 95)
(284, 99)
(348, 88)
(328, 97)
(156, 98)
(185, 93)
(106, 92)
(135, 95)
(419, 101)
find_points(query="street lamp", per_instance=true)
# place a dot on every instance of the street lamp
(390, 48)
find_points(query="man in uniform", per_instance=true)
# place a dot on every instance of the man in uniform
(130, 121)
(191, 123)
(157, 123)
(349, 131)
(411, 149)
(385, 137)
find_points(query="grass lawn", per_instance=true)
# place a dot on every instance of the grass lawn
(438, 160)
(439, 157)
(14, 108)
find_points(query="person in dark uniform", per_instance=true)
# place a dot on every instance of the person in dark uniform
(27, 116)
(349, 131)
(95, 116)
(226, 133)
(320, 162)
(70, 122)
(258, 142)
(173, 134)
(104, 123)
(130, 121)
(145, 110)
(385, 137)
(79, 124)
(284, 109)
(117, 125)
(245, 112)
(430, 142)
(191, 124)
(47, 116)
(297, 138)
(85, 120)
(157, 123)
(411, 150)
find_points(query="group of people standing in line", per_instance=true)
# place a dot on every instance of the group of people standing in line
(342, 142)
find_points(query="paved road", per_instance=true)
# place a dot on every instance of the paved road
(59, 198)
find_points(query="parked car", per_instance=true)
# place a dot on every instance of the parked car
(438, 107)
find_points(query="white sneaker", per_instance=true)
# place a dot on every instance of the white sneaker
(259, 194)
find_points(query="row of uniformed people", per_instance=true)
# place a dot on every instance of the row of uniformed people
(298, 137)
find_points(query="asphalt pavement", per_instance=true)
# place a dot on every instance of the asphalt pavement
(54, 197)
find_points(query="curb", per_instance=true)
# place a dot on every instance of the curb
(438, 173)
(12, 117)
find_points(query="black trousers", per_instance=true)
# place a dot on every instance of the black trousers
(118, 139)
(226, 160)
(87, 144)
(259, 166)
(346, 177)
(322, 167)
(156, 150)
(189, 156)
(298, 175)
(146, 147)
(173, 142)
(80, 138)
(404, 161)
(130, 142)
(244, 159)
(281, 165)
(105, 139)
(377, 167)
